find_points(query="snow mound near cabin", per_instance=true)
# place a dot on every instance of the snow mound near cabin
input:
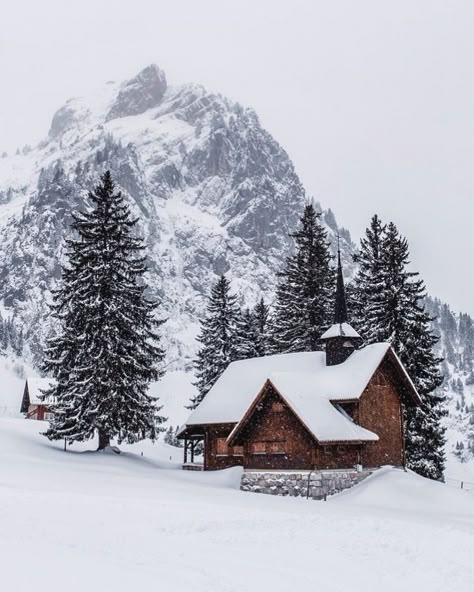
(126, 522)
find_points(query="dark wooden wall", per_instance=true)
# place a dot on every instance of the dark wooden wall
(380, 411)
(283, 426)
(214, 460)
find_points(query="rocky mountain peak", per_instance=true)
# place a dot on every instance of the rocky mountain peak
(140, 93)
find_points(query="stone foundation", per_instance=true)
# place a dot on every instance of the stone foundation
(316, 485)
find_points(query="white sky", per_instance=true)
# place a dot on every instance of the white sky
(373, 100)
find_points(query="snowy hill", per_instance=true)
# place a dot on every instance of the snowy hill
(130, 522)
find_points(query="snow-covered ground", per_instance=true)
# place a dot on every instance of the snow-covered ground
(80, 521)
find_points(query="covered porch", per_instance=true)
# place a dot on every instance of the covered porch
(193, 450)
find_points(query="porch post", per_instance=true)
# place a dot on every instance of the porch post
(185, 450)
(193, 444)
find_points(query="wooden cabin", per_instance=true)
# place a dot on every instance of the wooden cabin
(333, 409)
(32, 405)
(297, 412)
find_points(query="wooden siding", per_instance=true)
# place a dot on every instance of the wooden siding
(380, 411)
(213, 459)
(276, 426)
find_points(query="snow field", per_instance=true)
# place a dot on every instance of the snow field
(81, 520)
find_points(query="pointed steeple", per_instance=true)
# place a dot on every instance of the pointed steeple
(341, 339)
(340, 309)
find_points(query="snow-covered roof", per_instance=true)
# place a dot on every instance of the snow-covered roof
(317, 413)
(35, 388)
(340, 330)
(304, 381)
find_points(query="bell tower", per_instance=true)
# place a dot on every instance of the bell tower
(341, 339)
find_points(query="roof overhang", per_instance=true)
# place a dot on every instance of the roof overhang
(409, 387)
(199, 430)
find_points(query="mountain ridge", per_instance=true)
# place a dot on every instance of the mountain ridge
(214, 191)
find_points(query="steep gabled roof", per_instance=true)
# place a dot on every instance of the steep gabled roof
(305, 381)
(320, 418)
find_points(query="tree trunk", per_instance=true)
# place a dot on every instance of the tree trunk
(104, 440)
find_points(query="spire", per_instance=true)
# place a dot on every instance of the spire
(340, 308)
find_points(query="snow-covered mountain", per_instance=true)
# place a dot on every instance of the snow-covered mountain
(214, 192)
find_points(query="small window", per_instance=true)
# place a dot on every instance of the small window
(258, 447)
(277, 407)
(221, 446)
(277, 447)
(238, 450)
(342, 448)
(328, 449)
(49, 416)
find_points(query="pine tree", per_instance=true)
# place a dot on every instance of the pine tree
(107, 349)
(218, 338)
(367, 292)
(303, 308)
(393, 299)
(171, 437)
(261, 315)
(246, 336)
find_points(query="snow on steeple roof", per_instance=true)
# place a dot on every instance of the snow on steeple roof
(305, 381)
(341, 330)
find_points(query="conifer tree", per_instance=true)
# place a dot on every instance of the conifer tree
(107, 349)
(261, 316)
(393, 299)
(246, 336)
(303, 308)
(218, 338)
(367, 292)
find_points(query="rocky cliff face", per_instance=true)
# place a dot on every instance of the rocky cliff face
(215, 193)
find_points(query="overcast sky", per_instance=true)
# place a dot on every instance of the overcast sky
(374, 101)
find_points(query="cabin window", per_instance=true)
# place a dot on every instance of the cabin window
(342, 448)
(258, 447)
(221, 446)
(238, 450)
(49, 416)
(277, 447)
(277, 407)
(328, 449)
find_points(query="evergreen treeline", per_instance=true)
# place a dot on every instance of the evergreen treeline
(11, 337)
(457, 350)
(227, 334)
(387, 302)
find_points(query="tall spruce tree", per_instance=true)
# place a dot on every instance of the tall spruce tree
(367, 296)
(246, 336)
(107, 349)
(393, 300)
(261, 316)
(303, 308)
(253, 338)
(218, 338)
